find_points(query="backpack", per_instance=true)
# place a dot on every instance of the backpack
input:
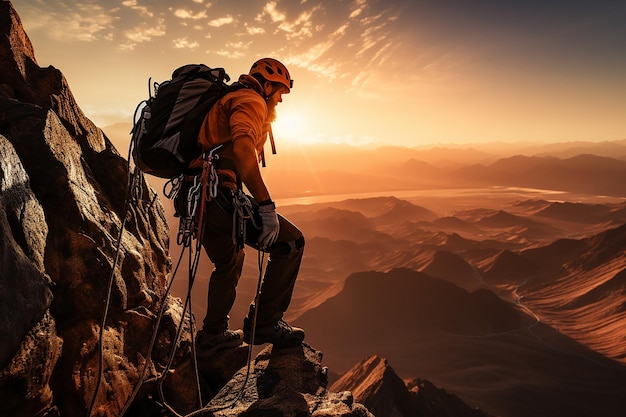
(165, 136)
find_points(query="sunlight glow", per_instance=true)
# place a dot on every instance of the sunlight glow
(291, 125)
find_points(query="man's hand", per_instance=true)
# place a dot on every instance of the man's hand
(269, 225)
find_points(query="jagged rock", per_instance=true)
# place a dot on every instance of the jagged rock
(220, 367)
(376, 385)
(284, 382)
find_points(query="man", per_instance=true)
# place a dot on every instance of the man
(241, 119)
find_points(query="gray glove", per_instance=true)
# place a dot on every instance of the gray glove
(269, 225)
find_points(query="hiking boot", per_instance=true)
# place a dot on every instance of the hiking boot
(208, 343)
(279, 334)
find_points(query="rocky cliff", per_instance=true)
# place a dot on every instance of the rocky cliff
(71, 249)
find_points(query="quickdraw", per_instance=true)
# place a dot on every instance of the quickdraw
(242, 212)
(203, 189)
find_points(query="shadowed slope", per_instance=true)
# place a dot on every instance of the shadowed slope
(472, 344)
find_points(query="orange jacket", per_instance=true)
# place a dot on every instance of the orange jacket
(237, 115)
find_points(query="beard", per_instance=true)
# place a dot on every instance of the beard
(271, 113)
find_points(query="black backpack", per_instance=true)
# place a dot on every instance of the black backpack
(165, 136)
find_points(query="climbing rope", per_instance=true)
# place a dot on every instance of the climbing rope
(203, 189)
(133, 192)
(240, 393)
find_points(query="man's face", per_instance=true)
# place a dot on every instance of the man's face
(275, 97)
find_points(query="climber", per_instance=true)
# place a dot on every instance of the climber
(241, 120)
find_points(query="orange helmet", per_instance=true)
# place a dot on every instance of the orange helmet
(272, 70)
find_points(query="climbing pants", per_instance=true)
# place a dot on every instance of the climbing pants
(227, 257)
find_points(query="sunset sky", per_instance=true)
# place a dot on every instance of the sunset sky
(366, 72)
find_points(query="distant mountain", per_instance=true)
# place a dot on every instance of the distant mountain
(556, 254)
(452, 267)
(376, 385)
(583, 292)
(417, 302)
(602, 248)
(421, 169)
(398, 211)
(454, 224)
(450, 157)
(585, 213)
(373, 207)
(584, 173)
(508, 267)
(501, 219)
(339, 224)
(615, 150)
(561, 150)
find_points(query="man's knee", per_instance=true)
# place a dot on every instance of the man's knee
(289, 247)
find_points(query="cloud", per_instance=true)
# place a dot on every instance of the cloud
(254, 30)
(81, 22)
(189, 14)
(230, 54)
(184, 43)
(312, 57)
(347, 40)
(143, 10)
(360, 6)
(270, 10)
(145, 33)
(302, 27)
(234, 49)
(226, 20)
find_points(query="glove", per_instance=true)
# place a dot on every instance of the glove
(269, 225)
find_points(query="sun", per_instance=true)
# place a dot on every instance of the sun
(291, 125)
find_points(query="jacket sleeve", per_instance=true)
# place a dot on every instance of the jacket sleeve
(247, 118)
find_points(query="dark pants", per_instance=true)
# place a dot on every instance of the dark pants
(280, 275)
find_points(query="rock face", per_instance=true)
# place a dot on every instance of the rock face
(62, 204)
(71, 249)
